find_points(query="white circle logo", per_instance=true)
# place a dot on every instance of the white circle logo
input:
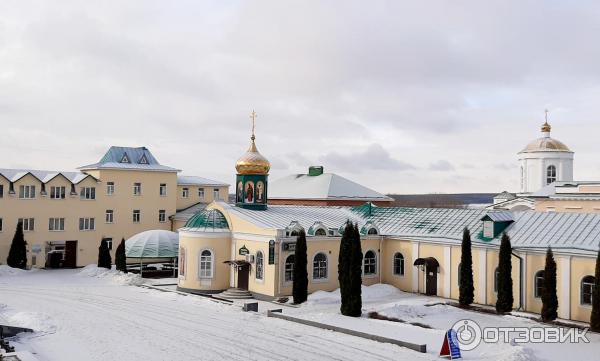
(468, 334)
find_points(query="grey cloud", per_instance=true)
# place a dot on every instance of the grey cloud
(375, 157)
(441, 165)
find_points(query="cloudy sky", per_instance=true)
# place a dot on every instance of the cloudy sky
(402, 96)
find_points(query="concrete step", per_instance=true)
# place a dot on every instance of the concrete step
(235, 294)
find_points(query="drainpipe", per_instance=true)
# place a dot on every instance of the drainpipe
(521, 271)
(380, 253)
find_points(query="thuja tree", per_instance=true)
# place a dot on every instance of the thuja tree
(300, 279)
(355, 275)
(344, 262)
(121, 257)
(549, 298)
(466, 271)
(104, 258)
(505, 283)
(17, 256)
(595, 318)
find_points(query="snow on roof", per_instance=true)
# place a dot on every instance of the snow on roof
(156, 243)
(198, 181)
(129, 158)
(326, 186)
(43, 176)
(572, 232)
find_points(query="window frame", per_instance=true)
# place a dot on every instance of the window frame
(162, 216)
(27, 223)
(289, 272)
(590, 282)
(259, 273)
(398, 256)
(322, 267)
(110, 188)
(185, 192)
(61, 194)
(87, 224)
(87, 193)
(137, 188)
(538, 289)
(372, 263)
(202, 260)
(201, 193)
(162, 189)
(181, 262)
(52, 224)
(26, 191)
(110, 212)
(551, 174)
(216, 194)
(138, 213)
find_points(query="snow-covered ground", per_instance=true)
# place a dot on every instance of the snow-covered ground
(391, 302)
(96, 314)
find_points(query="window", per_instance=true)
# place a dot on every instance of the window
(87, 224)
(201, 193)
(87, 193)
(1, 190)
(320, 232)
(109, 216)
(289, 268)
(320, 266)
(1, 225)
(137, 189)
(56, 224)
(108, 242)
(398, 264)
(496, 277)
(185, 192)
(28, 224)
(163, 190)
(522, 177)
(459, 274)
(136, 216)
(57, 192)
(372, 232)
(26, 192)
(260, 265)
(539, 284)
(550, 174)
(370, 263)
(587, 289)
(182, 261)
(162, 216)
(216, 194)
(110, 188)
(206, 262)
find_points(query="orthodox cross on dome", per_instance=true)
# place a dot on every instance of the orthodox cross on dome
(253, 116)
(546, 127)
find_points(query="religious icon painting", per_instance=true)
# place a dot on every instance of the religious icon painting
(249, 192)
(260, 192)
(240, 192)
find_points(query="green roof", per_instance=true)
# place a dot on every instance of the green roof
(209, 220)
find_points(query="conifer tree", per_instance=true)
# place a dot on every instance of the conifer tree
(344, 265)
(300, 280)
(355, 275)
(505, 284)
(120, 257)
(466, 288)
(17, 256)
(595, 318)
(549, 297)
(104, 258)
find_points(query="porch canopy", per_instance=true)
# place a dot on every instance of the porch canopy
(156, 244)
(430, 262)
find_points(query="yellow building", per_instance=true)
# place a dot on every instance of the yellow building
(250, 246)
(128, 191)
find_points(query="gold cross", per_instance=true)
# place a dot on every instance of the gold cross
(253, 117)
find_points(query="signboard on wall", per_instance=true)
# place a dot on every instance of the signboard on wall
(290, 247)
(272, 251)
(243, 251)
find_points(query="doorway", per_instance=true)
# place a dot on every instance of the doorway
(431, 281)
(243, 273)
(70, 260)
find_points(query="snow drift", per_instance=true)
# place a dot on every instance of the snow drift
(112, 275)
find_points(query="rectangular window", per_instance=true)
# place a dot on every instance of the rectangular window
(109, 216)
(137, 189)
(216, 194)
(1, 190)
(163, 190)
(110, 188)
(26, 192)
(56, 224)
(58, 192)
(185, 192)
(1, 225)
(182, 262)
(201, 193)
(162, 216)
(87, 193)
(28, 224)
(136, 216)
(87, 224)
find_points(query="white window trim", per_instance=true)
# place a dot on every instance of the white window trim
(164, 211)
(89, 222)
(403, 268)
(185, 256)
(139, 214)
(319, 280)
(285, 282)
(57, 187)
(160, 187)
(113, 189)
(140, 189)
(372, 275)
(185, 192)
(30, 186)
(584, 305)
(256, 279)
(212, 264)
(112, 216)
(54, 220)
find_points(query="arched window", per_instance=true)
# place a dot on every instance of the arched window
(496, 276)
(372, 232)
(320, 266)
(182, 261)
(399, 264)
(370, 263)
(206, 264)
(260, 265)
(587, 289)
(522, 177)
(320, 232)
(539, 284)
(294, 233)
(550, 174)
(289, 268)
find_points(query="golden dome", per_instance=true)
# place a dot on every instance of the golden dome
(252, 162)
(546, 128)
(545, 143)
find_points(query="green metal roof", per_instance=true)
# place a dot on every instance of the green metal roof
(209, 220)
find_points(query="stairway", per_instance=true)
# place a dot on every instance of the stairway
(235, 294)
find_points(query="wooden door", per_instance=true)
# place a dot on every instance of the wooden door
(243, 274)
(70, 254)
(431, 281)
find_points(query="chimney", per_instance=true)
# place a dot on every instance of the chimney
(315, 170)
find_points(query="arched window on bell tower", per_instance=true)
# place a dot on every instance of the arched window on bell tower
(550, 174)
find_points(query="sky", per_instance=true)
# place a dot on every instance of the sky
(401, 96)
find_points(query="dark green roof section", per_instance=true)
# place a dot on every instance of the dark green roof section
(209, 220)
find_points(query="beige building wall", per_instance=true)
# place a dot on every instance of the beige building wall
(200, 194)
(191, 245)
(580, 268)
(571, 206)
(389, 248)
